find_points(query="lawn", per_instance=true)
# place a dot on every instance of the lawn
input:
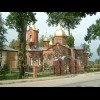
(9, 76)
(44, 74)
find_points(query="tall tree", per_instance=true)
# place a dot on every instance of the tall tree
(70, 41)
(98, 50)
(41, 41)
(93, 33)
(80, 14)
(84, 14)
(86, 48)
(14, 44)
(19, 21)
(68, 20)
(3, 31)
(97, 61)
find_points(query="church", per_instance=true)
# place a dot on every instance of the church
(56, 54)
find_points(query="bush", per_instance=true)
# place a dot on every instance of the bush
(4, 70)
(46, 67)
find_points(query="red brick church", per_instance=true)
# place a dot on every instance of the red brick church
(58, 55)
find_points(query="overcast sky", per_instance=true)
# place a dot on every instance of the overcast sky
(78, 33)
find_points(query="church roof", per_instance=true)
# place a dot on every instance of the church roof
(6, 48)
(37, 49)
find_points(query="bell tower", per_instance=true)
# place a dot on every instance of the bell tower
(46, 42)
(32, 37)
(59, 36)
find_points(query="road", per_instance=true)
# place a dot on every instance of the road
(81, 80)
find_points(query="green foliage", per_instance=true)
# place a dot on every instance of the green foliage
(9, 76)
(41, 41)
(4, 69)
(14, 44)
(83, 14)
(70, 40)
(52, 38)
(19, 21)
(87, 49)
(97, 61)
(46, 67)
(80, 14)
(3, 31)
(68, 20)
(98, 50)
(93, 32)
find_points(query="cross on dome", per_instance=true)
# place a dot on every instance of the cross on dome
(33, 26)
(59, 26)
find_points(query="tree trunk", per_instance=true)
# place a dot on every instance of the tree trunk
(22, 52)
(68, 30)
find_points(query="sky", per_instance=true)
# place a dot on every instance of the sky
(78, 33)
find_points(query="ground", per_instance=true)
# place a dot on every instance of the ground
(80, 80)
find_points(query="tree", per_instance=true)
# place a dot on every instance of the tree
(86, 48)
(80, 14)
(83, 14)
(19, 21)
(98, 50)
(41, 41)
(52, 38)
(93, 32)
(70, 41)
(97, 61)
(68, 20)
(3, 31)
(14, 44)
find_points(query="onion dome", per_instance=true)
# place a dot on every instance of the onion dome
(59, 31)
(46, 38)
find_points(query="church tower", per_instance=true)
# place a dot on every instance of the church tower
(59, 36)
(32, 37)
(46, 42)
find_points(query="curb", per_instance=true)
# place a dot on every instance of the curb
(34, 79)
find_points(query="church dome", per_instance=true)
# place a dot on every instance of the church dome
(46, 38)
(59, 31)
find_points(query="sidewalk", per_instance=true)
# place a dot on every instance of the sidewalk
(36, 79)
(45, 78)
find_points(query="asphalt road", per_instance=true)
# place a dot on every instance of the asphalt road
(81, 80)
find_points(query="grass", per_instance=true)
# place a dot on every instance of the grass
(9, 76)
(14, 75)
(45, 74)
